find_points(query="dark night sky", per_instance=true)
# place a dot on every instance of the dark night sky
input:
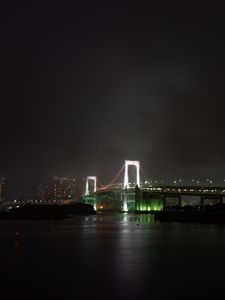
(86, 85)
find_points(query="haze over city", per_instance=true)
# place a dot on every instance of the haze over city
(87, 85)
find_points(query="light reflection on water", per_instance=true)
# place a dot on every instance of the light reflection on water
(130, 256)
(122, 218)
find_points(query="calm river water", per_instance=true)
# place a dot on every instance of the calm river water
(111, 256)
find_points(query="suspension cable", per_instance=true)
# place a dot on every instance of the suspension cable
(114, 179)
(143, 172)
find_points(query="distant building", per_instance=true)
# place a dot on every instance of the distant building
(57, 190)
(3, 190)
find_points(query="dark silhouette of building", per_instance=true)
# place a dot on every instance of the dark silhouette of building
(3, 190)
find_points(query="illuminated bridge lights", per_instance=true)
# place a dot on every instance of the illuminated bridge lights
(149, 205)
(127, 191)
(88, 178)
(128, 163)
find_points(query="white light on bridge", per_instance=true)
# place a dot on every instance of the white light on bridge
(93, 178)
(126, 179)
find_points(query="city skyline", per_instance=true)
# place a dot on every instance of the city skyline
(79, 184)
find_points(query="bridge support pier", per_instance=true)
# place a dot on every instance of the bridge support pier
(164, 202)
(215, 197)
(202, 203)
(125, 196)
(178, 197)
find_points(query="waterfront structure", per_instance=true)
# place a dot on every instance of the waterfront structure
(147, 196)
(120, 197)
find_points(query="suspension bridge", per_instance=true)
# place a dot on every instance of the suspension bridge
(126, 192)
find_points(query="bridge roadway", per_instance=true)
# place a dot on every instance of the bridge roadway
(210, 192)
(164, 192)
(206, 192)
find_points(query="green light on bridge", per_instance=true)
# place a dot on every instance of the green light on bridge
(149, 205)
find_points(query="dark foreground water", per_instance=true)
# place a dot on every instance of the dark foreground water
(111, 256)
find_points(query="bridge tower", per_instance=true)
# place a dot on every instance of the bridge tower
(128, 163)
(90, 199)
(126, 180)
(88, 178)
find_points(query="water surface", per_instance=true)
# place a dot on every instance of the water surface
(111, 256)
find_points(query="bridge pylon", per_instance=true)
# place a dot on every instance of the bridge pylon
(88, 178)
(128, 163)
